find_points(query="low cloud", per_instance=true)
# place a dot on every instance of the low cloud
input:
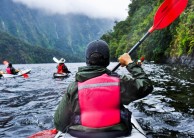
(112, 9)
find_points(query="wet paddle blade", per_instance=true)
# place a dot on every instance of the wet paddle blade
(55, 60)
(25, 75)
(45, 134)
(168, 11)
(142, 59)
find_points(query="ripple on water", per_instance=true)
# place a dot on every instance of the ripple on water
(28, 105)
(5, 119)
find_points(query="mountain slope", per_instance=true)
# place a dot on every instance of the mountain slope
(17, 51)
(69, 33)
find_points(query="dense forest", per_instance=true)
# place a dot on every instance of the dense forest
(17, 51)
(172, 42)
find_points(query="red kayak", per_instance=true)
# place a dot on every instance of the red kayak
(45, 134)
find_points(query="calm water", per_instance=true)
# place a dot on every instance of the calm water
(28, 105)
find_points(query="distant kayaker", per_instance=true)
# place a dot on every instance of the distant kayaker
(61, 67)
(140, 61)
(93, 105)
(11, 70)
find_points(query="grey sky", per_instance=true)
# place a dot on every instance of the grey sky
(113, 9)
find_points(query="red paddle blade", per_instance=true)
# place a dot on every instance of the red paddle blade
(142, 59)
(168, 11)
(25, 75)
(5, 62)
(45, 134)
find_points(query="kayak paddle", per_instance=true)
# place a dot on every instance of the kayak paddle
(55, 59)
(24, 75)
(168, 11)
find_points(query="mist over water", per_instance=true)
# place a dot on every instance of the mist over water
(28, 105)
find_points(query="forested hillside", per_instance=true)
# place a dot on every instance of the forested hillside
(67, 33)
(17, 51)
(172, 42)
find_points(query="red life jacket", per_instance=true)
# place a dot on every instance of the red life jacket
(8, 70)
(60, 68)
(99, 101)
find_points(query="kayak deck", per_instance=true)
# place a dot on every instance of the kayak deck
(60, 75)
(53, 132)
(134, 133)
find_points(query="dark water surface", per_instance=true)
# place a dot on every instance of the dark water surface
(28, 105)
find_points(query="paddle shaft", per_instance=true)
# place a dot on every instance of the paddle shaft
(133, 48)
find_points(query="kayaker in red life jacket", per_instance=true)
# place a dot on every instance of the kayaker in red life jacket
(140, 61)
(11, 70)
(93, 105)
(62, 68)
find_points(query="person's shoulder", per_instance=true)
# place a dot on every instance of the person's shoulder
(72, 89)
(73, 86)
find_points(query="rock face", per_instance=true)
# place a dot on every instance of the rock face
(183, 60)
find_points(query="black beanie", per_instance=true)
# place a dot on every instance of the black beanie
(98, 47)
(10, 65)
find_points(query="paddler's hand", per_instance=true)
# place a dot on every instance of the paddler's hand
(17, 70)
(125, 59)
